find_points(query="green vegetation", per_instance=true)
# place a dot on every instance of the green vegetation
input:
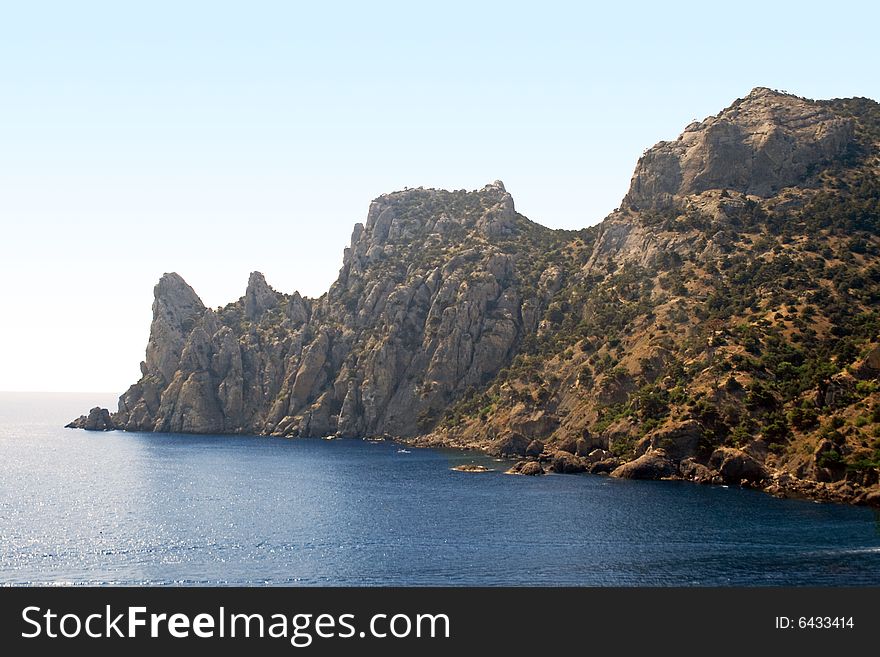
(752, 324)
(830, 459)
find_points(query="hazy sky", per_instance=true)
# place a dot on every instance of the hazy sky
(216, 138)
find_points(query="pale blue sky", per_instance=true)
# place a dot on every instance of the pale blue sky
(215, 138)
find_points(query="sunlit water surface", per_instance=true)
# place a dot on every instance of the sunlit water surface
(126, 508)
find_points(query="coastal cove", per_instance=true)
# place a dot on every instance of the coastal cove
(138, 508)
(720, 326)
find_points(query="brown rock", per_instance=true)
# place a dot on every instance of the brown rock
(691, 469)
(869, 367)
(537, 425)
(567, 463)
(599, 455)
(678, 439)
(471, 467)
(605, 466)
(510, 444)
(652, 465)
(531, 468)
(535, 448)
(734, 465)
(836, 392)
(568, 445)
(527, 468)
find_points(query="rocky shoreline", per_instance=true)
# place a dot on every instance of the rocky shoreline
(731, 468)
(720, 326)
(726, 466)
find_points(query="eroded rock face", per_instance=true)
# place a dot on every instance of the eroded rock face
(677, 439)
(428, 305)
(760, 144)
(569, 444)
(510, 444)
(869, 367)
(535, 448)
(176, 308)
(259, 297)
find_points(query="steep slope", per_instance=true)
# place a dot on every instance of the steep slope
(436, 291)
(725, 325)
(720, 326)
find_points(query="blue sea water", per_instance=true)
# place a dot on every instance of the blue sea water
(127, 508)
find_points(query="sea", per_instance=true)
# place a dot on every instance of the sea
(116, 508)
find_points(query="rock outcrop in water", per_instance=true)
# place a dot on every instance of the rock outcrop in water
(98, 419)
(721, 326)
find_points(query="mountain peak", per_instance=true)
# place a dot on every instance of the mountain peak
(176, 308)
(767, 92)
(175, 293)
(259, 296)
(760, 144)
(169, 282)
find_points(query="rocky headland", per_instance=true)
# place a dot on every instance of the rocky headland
(721, 326)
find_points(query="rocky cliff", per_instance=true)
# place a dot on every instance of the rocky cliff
(436, 291)
(721, 326)
(758, 145)
(724, 324)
